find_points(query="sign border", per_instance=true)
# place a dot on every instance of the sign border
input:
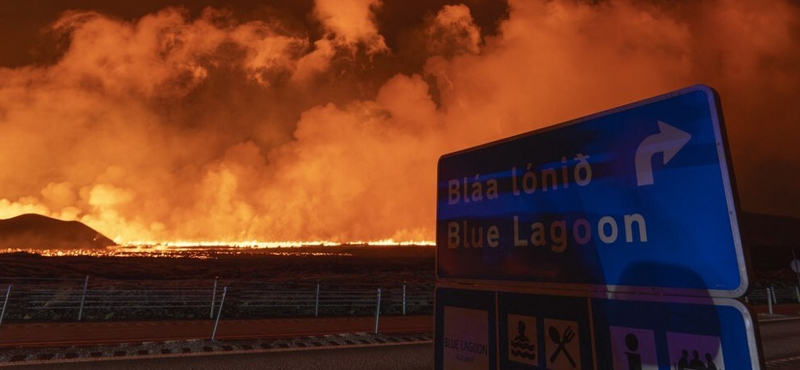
(730, 190)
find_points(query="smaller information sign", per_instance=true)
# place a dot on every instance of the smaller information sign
(464, 347)
(465, 330)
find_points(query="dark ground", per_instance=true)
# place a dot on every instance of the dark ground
(372, 265)
(405, 357)
(343, 264)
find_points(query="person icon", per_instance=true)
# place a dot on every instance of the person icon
(696, 363)
(521, 331)
(709, 363)
(634, 359)
(683, 362)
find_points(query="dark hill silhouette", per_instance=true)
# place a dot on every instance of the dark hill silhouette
(32, 231)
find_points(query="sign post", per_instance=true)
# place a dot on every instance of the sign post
(620, 227)
(796, 267)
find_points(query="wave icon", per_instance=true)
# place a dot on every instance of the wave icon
(523, 354)
(521, 347)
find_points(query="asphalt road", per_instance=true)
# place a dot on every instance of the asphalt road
(780, 338)
(52, 334)
(400, 357)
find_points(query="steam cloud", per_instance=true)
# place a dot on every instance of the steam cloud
(172, 127)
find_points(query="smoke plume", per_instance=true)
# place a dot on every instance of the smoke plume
(173, 126)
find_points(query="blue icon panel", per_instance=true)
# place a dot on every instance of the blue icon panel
(502, 329)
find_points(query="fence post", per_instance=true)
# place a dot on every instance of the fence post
(797, 293)
(769, 299)
(219, 313)
(316, 302)
(774, 296)
(83, 297)
(404, 298)
(213, 297)
(378, 311)
(5, 304)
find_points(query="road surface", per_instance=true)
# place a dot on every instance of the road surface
(59, 334)
(780, 340)
(400, 357)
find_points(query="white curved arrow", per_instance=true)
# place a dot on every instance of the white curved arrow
(669, 141)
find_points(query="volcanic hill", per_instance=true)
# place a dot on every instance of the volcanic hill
(32, 231)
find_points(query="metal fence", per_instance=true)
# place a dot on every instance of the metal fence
(82, 299)
(772, 295)
(34, 299)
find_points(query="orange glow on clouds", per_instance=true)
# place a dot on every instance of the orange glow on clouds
(174, 127)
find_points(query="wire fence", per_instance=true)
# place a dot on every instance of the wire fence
(49, 299)
(771, 295)
(37, 300)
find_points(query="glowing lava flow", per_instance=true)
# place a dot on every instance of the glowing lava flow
(212, 249)
(264, 245)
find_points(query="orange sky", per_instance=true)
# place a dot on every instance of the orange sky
(324, 119)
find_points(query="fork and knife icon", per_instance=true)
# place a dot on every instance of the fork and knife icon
(556, 337)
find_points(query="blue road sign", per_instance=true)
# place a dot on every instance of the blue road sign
(618, 331)
(637, 199)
